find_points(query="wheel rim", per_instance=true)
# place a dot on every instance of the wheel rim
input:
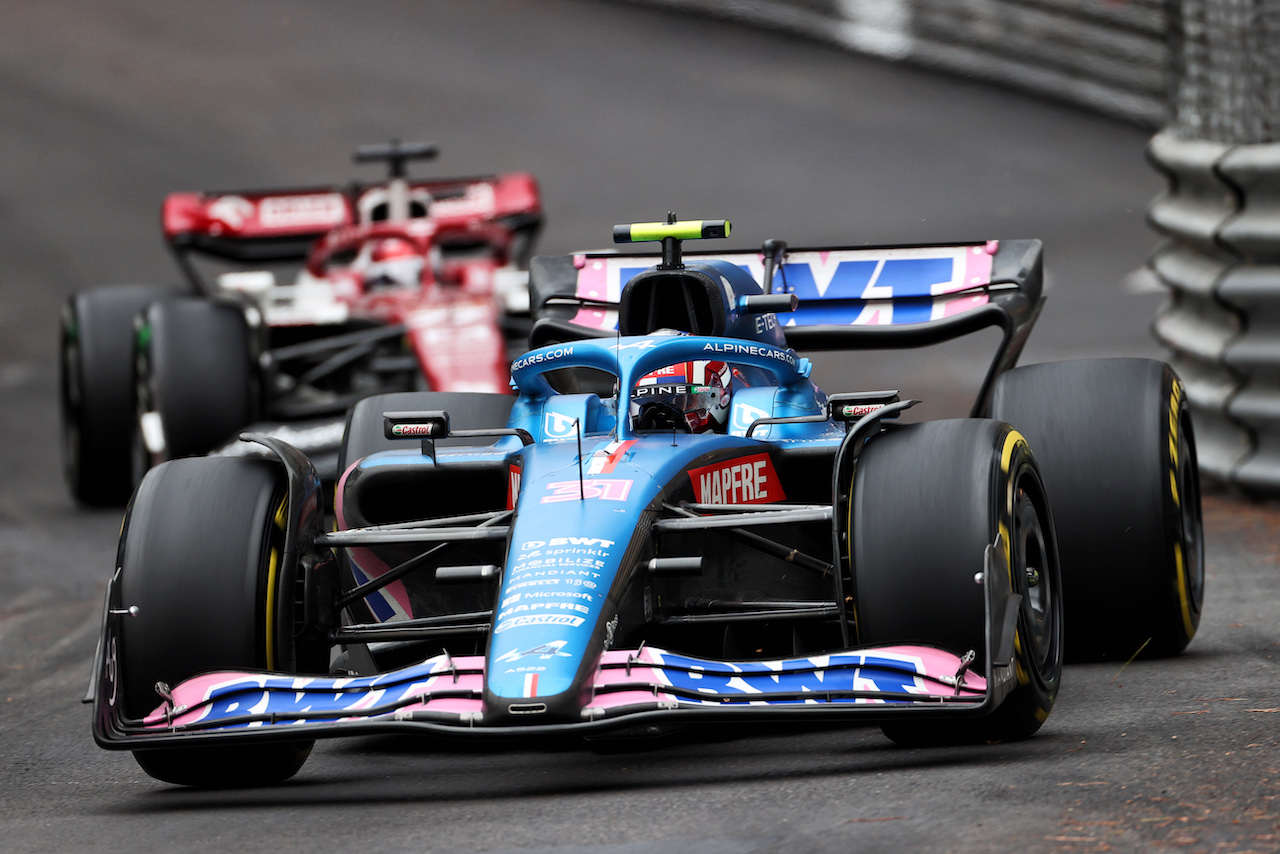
(1034, 567)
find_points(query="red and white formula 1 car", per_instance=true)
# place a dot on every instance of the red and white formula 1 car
(301, 302)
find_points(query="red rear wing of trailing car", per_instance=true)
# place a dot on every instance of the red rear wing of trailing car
(277, 225)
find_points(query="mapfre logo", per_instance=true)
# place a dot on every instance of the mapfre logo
(746, 480)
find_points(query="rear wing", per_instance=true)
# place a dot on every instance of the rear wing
(850, 298)
(281, 225)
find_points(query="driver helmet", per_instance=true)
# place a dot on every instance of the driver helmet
(693, 397)
(393, 262)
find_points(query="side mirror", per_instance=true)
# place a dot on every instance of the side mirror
(765, 303)
(427, 426)
(852, 406)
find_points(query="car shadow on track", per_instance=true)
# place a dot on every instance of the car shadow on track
(400, 769)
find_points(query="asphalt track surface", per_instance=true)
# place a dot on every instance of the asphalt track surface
(623, 113)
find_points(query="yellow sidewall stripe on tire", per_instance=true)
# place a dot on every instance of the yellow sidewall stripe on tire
(273, 564)
(1184, 599)
(1179, 562)
(273, 567)
(1011, 441)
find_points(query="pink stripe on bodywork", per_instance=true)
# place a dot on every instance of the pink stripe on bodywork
(363, 560)
(593, 283)
(978, 261)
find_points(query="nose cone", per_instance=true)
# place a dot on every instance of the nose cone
(553, 617)
(571, 549)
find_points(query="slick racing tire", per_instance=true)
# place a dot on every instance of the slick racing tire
(194, 378)
(199, 557)
(926, 501)
(364, 436)
(96, 391)
(1114, 441)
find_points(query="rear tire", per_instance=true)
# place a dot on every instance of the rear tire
(1114, 441)
(199, 557)
(926, 501)
(195, 370)
(96, 391)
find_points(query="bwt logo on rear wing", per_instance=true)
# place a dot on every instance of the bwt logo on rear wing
(836, 287)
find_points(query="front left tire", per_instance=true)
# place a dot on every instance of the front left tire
(200, 557)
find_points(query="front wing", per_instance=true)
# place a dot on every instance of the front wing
(443, 696)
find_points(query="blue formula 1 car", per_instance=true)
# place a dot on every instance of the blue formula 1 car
(669, 525)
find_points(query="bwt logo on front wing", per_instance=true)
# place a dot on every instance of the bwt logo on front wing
(746, 480)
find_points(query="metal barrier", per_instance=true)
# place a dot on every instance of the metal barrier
(1207, 67)
(1108, 55)
(1221, 215)
(1222, 266)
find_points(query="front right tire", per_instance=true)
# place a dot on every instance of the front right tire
(926, 501)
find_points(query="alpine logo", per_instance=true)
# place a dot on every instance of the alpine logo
(558, 426)
(744, 415)
(745, 480)
(545, 652)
